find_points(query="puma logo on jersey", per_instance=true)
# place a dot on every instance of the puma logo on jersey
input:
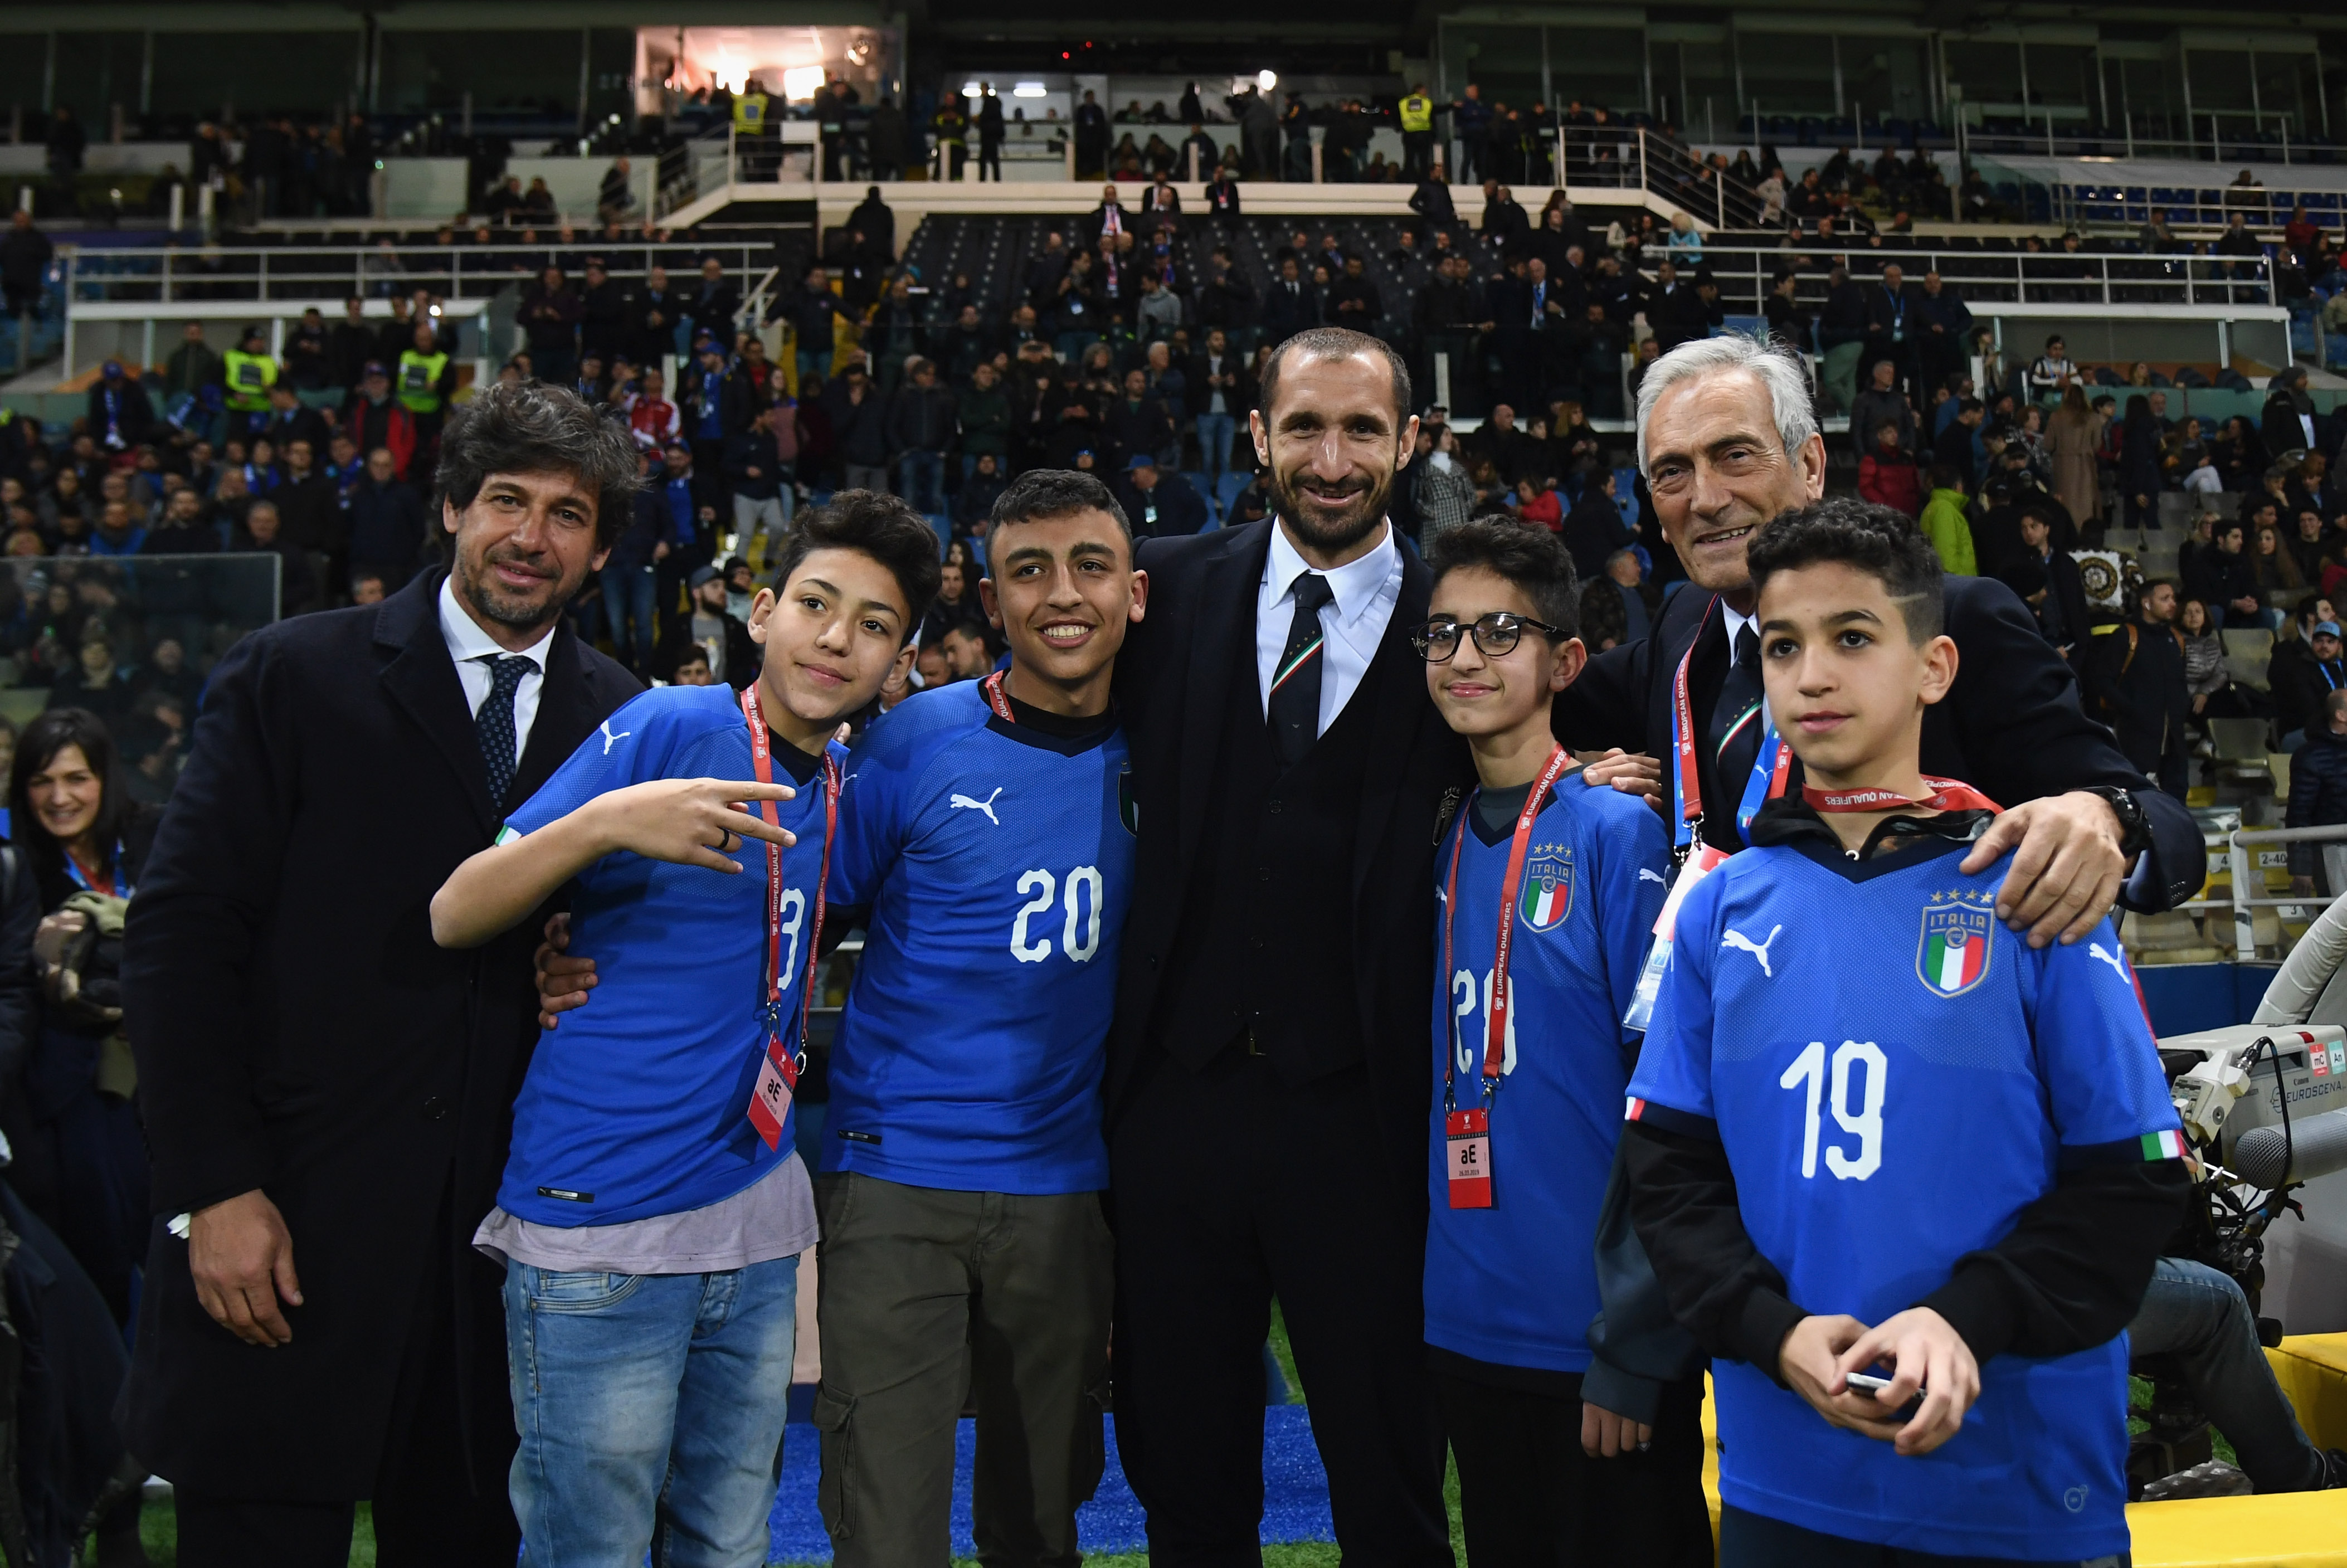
(2096, 950)
(1647, 874)
(610, 740)
(1744, 944)
(964, 803)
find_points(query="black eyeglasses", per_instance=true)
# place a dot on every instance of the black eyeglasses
(1496, 634)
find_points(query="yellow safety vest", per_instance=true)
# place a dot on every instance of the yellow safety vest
(749, 112)
(1417, 113)
(249, 376)
(419, 380)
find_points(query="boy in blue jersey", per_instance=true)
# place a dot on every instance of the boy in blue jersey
(1524, 1135)
(1873, 1133)
(965, 1254)
(653, 1207)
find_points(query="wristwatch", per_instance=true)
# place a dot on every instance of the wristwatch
(2135, 828)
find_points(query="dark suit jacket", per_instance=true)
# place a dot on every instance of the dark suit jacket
(297, 1031)
(1284, 315)
(1173, 681)
(1180, 508)
(2011, 726)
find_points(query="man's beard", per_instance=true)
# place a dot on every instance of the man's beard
(505, 607)
(1364, 510)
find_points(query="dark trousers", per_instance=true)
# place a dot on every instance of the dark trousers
(1755, 1541)
(1231, 1187)
(1531, 1498)
(430, 1510)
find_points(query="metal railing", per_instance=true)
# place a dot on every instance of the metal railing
(790, 153)
(1663, 170)
(1747, 274)
(2243, 873)
(185, 275)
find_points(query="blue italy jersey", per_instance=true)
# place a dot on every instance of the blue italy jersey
(1514, 1283)
(998, 863)
(1895, 1076)
(638, 1104)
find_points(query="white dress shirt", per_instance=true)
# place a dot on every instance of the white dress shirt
(468, 645)
(1736, 621)
(1352, 623)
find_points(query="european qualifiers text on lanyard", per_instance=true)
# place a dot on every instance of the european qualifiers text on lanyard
(1770, 768)
(1468, 1133)
(778, 1071)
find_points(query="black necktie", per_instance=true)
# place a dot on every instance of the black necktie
(1736, 725)
(1295, 683)
(494, 724)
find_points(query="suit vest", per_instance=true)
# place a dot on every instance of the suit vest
(1267, 950)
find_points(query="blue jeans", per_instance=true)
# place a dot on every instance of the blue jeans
(2200, 1317)
(922, 480)
(651, 1411)
(1215, 433)
(629, 596)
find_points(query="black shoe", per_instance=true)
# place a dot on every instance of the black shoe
(2335, 1466)
(2213, 1478)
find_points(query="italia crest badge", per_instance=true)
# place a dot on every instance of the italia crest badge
(1954, 953)
(1547, 896)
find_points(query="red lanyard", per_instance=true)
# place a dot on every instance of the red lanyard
(761, 758)
(1689, 830)
(992, 687)
(1947, 795)
(1496, 1042)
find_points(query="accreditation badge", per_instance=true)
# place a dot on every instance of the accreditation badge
(1468, 1135)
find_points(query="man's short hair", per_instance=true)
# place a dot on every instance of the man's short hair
(531, 427)
(1042, 493)
(1881, 542)
(1530, 558)
(881, 526)
(1335, 342)
(1945, 477)
(2307, 612)
(1792, 403)
(2152, 585)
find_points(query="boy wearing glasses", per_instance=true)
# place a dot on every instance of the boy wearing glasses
(1547, 889)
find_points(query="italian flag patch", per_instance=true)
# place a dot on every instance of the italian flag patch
(2168, 1145)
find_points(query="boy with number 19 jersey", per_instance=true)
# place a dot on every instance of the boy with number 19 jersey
(1896, 1079)
(1874, 1129)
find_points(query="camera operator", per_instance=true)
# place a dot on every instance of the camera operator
(2199, 1316)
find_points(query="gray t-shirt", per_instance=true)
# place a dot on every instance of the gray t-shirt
(773, 1218)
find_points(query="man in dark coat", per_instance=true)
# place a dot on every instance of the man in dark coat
(327, 1095)
(2135, 683)
(24, 253)
(2288, 423)
(1157, 506)
(1267, 1094)
(1718, 468)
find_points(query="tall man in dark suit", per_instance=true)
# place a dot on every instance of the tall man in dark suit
(1267, 1080)
(1728, 441)
(1291, 304)
(327, 1094)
